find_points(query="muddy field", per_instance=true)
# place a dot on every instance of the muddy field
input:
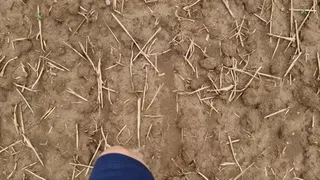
(202, 89)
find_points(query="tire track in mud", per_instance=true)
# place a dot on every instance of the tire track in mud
(171, 134)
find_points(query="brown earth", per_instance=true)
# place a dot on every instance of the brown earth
(228, 89)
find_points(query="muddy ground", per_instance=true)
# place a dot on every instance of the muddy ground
(205, 76)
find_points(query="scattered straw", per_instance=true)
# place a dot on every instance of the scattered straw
(38, 78)
(100, 86)
(24, 99)
(87, 56)
(135, 42)
(202, 175)
(76, 94)
(139, 120)
(187, 8)
(17, 40)
(5, 65)
(226, 4)
(253, 77)
(152, 116)
(313, 120)
(109, 89)
(15, 120)
(275, 113)
(120, 132)
(55, 63)
(105, 138)
(291, 39)
(39, 35)
(81, 165)
(29, 144)
(75, 50)
(28, 166)
(154, 97)
(11, 145)
(270, 21)
(148, 133)
(189, 53)
(115, 37)
(34, 174)
(233, 154)
(77, 136)
(276, 48)
(25, 88)
(145, 89)
(193, 92)
(292, 64)
(297, 36)
(47, 113)
(92, 158)
(318, 60)
(291, 16)
(150, 39)
(237, 177)
(21, 120)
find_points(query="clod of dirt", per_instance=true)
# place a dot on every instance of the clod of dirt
(3, 95)
(23, 46)
(211, 63)
(83, 71)
(250, 6)
(227, 62)
(307, 36)
(229, 48)
(251, 42)
(58, 49)
(58, 13)
(22, 80)
(251, 121)
(86, 3)
(6, 83)
(284, 131)
(313, 139)
(306, 96)
(73, 9)
(276, 67)
(197, 83)
(47, 2)
(251, 97)
(61, 51)
(87, 108)
(2, 41)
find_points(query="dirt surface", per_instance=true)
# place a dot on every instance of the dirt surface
(203, 79)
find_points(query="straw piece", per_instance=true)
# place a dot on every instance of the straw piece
(92, 158)
(34, 174)
(243, 171)
(29, 144)
(11, 145)
(292, 64)
(154, 97)
(139, 120)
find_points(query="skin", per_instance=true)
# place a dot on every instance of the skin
(123, 151)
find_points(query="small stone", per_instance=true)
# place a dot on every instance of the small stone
(108, 2)
(210, 63)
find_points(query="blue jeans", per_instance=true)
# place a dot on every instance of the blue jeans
(119, 167)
